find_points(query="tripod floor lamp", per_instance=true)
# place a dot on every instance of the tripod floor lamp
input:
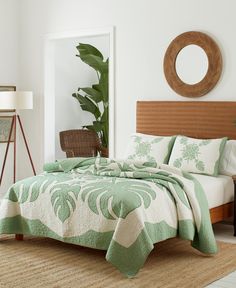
(10, 102)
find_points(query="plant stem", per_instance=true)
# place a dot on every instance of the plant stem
(98, 76)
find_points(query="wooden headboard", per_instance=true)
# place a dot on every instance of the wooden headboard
(193, 119)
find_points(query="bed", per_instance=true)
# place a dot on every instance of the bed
(219, 190)
(204, 120)
(122, 206)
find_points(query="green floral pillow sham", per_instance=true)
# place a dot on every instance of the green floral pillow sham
(197, 155)
(149, 148)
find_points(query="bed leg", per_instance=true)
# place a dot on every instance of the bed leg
(19, 237)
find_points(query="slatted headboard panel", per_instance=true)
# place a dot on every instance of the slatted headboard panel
(193, 119)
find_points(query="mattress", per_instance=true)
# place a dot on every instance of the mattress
(219, 190)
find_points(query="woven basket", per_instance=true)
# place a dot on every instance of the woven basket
(104, 152)
(80, 143)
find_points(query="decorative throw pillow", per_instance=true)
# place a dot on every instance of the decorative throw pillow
(228, 159)
(197, 155)
(149, 148)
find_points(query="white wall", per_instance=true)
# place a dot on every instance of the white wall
(9, 22)
(9, 12)
(71, 73)
(144, 29)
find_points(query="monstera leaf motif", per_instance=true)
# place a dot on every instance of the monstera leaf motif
(64, 200)
(117, 197)
(28, 190)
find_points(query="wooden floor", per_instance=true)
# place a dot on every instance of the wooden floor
(226, 282)
(224, 232)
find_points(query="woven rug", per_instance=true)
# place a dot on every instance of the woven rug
(40, 262)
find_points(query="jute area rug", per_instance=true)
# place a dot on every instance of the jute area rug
(40, 262)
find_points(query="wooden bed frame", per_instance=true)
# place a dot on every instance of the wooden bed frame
(194, 119)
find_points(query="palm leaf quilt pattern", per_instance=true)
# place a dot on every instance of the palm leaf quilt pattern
(124, 207)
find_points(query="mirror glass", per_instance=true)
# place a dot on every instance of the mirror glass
(191, 64)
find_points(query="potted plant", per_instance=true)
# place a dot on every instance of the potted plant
(95, 99)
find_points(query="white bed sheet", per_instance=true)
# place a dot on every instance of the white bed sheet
(219, 190)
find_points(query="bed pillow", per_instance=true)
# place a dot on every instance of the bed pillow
(197, 155)
(228, 159)
(149, 148)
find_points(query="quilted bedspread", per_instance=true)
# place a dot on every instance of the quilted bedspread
(123, 207)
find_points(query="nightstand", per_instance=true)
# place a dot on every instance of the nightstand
(234, 178)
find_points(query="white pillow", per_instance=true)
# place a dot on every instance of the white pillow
(197, 155)
(149, 148)
(228, 159)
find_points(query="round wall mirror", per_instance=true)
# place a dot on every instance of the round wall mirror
(192, 64)
(191, 58)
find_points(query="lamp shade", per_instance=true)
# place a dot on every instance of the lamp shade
(16, 100)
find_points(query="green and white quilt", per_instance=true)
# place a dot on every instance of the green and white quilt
(124, 207)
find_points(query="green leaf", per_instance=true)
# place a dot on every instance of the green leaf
(96, 87)
(63, 200)
(122, 196)
(105, 115)
(34, 195)
(85, 49)
(29, 189)
(98, 126)
(95, 62)
(205, 142)
(200, 165)
(163, 173)
(87, 105)
(103, 87)
(105, 121)
(13, 195)
(181, 195)
(60, 201)
(94, 94)
(177, 163)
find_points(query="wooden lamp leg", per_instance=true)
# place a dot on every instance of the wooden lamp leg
(26, 144)
(7, 148)
(20, 237)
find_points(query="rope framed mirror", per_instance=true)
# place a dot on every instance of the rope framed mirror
(213, 72)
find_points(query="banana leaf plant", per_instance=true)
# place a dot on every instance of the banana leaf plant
(95, 99)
